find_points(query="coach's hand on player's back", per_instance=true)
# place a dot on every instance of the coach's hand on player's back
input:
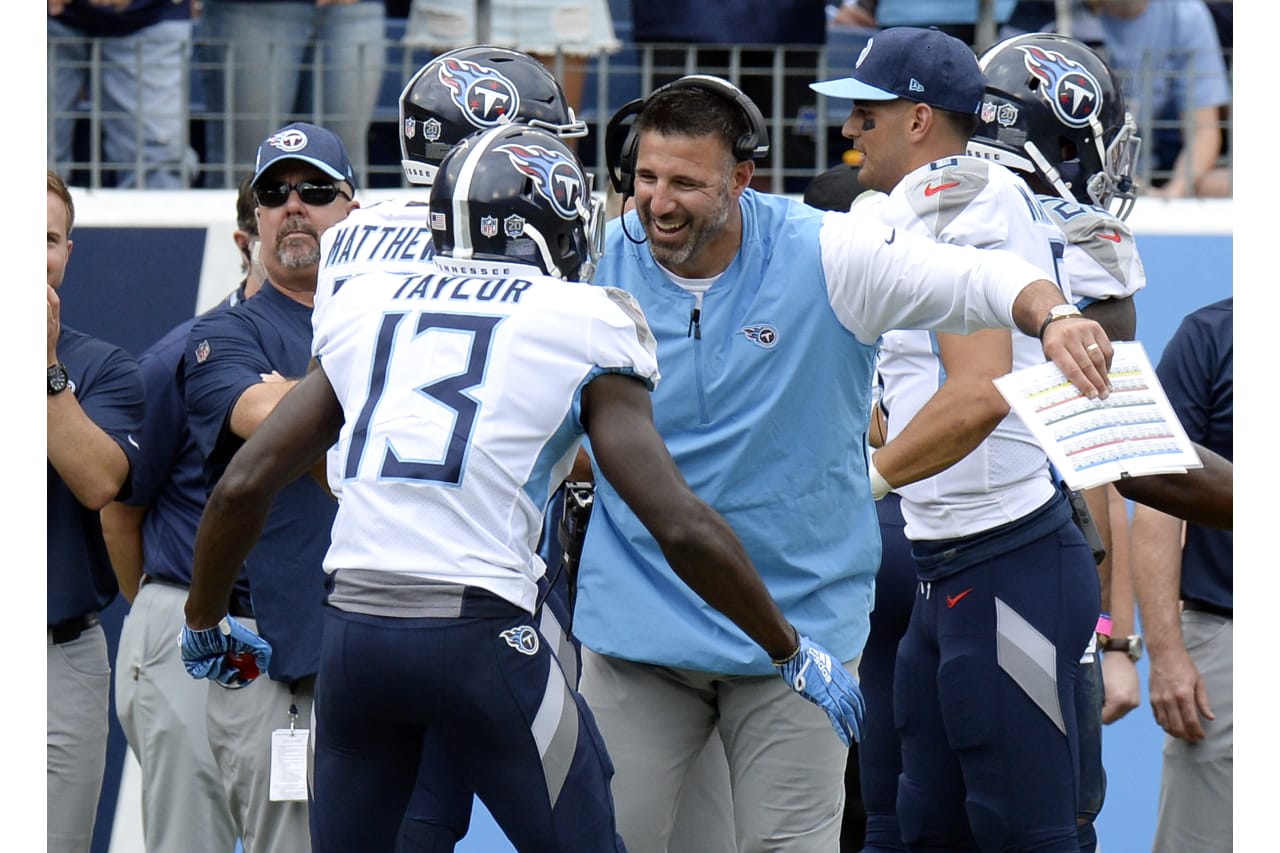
(817, 676)
(228, 653)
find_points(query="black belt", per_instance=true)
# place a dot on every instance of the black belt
(71, 629)
(1198, 606)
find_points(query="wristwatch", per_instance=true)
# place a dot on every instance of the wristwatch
(58, 380)
(1130, 645)
(1058, 312)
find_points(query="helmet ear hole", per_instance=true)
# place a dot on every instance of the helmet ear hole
(1067, 149)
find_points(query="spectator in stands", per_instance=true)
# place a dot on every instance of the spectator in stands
(94, 420)
(561, 34)
(132, 57)
(958, 18)
(255, 57)
(696, 37)
(150, 536)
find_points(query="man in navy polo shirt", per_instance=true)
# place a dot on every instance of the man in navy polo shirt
(1190, 681)
(94, 421)
(239, 364)
(150, 536)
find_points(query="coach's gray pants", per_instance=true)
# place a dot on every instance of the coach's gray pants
(78, 695)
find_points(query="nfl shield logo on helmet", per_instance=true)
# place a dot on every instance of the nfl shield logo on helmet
(410, 127)
(513, 226)
(489, 226)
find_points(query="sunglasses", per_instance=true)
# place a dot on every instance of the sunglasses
(312, 193)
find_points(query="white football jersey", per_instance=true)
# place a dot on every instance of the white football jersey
(461, 396)
(387, 236)
(970, 202)
(1102, 257)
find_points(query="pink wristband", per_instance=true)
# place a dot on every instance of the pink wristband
(1104, 625)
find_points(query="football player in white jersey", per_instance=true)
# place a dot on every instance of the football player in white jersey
(988, 739)
(453, 96)
(459, 395)
(1053, 111)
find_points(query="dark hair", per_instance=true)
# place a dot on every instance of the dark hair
(694, 111)
(964, 124)
(245, 204)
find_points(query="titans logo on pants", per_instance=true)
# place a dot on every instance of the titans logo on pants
(523, 639)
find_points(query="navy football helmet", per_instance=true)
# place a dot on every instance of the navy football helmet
(470, 89)
(1053, 108)
(516, 194)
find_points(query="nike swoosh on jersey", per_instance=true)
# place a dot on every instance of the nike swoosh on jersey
(1114, 236)
(953, 600)
(934, 189)
(893, 235)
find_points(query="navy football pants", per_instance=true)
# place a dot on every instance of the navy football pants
(502, 718)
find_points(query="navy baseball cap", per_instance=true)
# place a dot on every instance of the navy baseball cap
(918, 64)
(310, 144)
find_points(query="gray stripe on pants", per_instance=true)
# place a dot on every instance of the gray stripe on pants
(1030, 660)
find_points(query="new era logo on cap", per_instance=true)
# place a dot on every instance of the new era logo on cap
(310, 144)
(918, 64)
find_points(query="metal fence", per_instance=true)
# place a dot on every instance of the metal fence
(804, 128)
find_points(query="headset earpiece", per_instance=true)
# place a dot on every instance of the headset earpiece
(621, 140)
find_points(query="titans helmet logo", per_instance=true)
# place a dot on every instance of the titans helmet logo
(484, 96)
(522, 638)
(1072, 92)
(555, 176)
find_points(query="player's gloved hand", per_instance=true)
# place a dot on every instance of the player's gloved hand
(817, 676)
(229, 653)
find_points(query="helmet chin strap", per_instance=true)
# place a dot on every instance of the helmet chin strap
(549, 265)
(1047, 171)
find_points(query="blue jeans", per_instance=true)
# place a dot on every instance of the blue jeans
(254, 59)
(141, 100)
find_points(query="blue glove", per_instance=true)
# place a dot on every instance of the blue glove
(229, 653)
(817, 676)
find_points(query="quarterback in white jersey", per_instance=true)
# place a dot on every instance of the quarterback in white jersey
(458, 396)
(969, 202)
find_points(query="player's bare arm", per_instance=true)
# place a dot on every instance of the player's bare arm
(287, 444)
(959, 416)
(1201, 496)
(699, 545)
